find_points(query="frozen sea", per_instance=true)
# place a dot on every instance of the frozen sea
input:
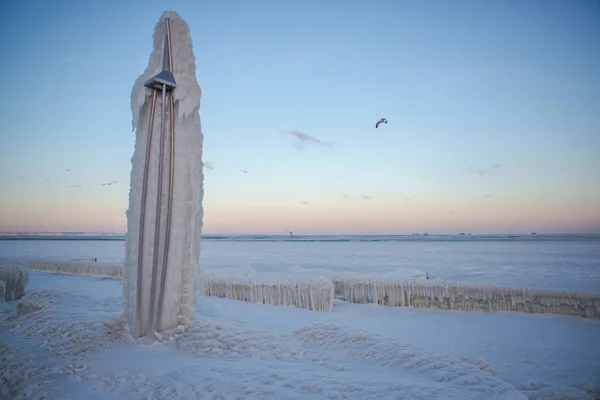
(72, 344)
(559, 262)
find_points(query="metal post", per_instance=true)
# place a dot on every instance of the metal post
(163, 277)
(143, 212)
(151, 312)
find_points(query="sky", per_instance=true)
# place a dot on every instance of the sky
(493, 112)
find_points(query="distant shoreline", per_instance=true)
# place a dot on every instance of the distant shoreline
(328, 238)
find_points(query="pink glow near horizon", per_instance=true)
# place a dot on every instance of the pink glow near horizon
(385, 219)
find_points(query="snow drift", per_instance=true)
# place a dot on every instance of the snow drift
(77, 268)
(179, 284)
(14, 276)
(301, 290)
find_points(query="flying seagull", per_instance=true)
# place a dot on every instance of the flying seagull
(304, 202)
(291, 234)
(108, 183)
(68, 170)
(381, 121)
(244, 171)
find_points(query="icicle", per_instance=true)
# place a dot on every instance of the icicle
(14, 276)
(77, 268)
(302, 291)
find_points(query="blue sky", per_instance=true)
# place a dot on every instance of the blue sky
(493, 110)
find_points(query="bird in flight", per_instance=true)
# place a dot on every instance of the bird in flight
(244, 171)
(381, 121)
(108, 183)
(304, 202)
(291, 234)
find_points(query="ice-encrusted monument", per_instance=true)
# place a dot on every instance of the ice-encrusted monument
(164, 219)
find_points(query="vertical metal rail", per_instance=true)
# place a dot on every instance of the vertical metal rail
(151, 311)
(163, 277)
(143, 214)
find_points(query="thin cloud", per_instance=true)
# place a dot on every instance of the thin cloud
(481, 171)
(304, 138)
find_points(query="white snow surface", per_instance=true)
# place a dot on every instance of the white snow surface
(180, 287)
(14, 276)
(279, 289)
(68, 341)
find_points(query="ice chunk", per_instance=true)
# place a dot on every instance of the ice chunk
(279, 289)
(77, 268)
(15, 276)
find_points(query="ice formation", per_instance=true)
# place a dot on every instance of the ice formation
(77, 268)
(341, 279)
(395, 289)
(179, 286)
(466, 297)
(14, 276)
(279, 289)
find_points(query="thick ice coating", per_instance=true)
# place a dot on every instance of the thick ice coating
(186, 220)
(14, 277)
(311, 292)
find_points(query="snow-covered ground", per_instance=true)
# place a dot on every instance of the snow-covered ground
(75, 347)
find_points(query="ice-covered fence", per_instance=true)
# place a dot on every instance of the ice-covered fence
(14, 276)
(77, 268)
(279, 289)
(466, 297)
(343, 281)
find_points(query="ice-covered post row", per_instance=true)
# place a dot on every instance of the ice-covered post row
(164, 219)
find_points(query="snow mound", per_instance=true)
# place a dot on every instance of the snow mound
(14, 275)
(392, 354)
(18, 371)
(300, 290)
(207, 338)
(77, 268)
(37, 300)
(40, 318)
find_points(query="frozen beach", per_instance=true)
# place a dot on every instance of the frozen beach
(70, 341)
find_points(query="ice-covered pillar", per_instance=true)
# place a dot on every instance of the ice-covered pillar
(164, 219)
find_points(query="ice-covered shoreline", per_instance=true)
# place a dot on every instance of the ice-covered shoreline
(402, 290)
(70, 341)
